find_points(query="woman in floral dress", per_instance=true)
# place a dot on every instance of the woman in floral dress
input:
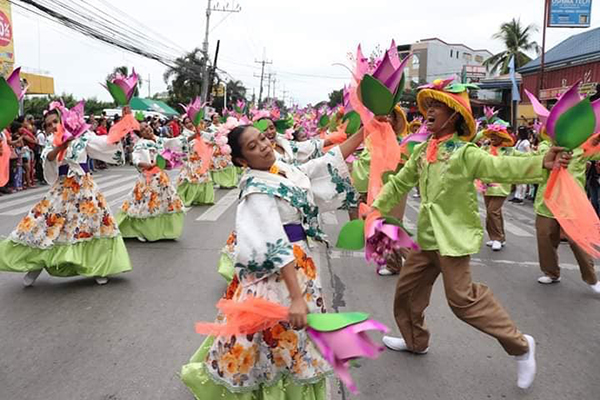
(71, 231)
(223, 172)
(194, 186)
(293, 152)
(277, 231)
(153, 210)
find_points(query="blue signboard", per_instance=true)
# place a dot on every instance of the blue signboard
(570, 13)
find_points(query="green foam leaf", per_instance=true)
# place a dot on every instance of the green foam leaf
(375, 96)
(161, 162)
(323, 121)
(282, 125)
(117, 94)
(352, 235)
(576, 125)
(261, 125)
(139, 116)
(400, 90)
(353, 119)
(335, 321)
(9, 104)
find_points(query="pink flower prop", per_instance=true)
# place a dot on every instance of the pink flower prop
(174, 159)
(347, 344)
(438, 84)
(14, 81)
(483, 187)
(73, 121)
(195, 111)
(383, 239)
(122, 88)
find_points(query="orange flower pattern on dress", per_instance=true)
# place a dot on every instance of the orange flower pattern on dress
(192, 168)
(153, 198)
(305, 263)
(72, 211)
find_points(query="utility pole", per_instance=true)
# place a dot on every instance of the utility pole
(149, 86)
(274, 82)
(234, 8)
(262, 77)
(285, 92)
(269, 76)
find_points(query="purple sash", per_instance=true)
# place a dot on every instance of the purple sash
(64, 169)
(294, 232)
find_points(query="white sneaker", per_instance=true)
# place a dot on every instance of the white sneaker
(526, 365)
(186, 209)
(416, 195)
(101, 280)
(546, 280)
(30, 277)
(385, 272)
(496, 246)
(596, 288)
(399, 344)
(490, 243)
(141, 239)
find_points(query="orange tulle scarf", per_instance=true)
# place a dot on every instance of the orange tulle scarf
(205, 152)
(433, 146)
(573, 211)
(244, 318)
(58, 141)
(119, 130)
(494, 150)
(4, 163)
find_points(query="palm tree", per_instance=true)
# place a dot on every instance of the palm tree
(517, 40)
(235, 91)
(185, 78)
(124, 70)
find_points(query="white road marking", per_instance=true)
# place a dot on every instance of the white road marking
(121, 181)
(215, 212)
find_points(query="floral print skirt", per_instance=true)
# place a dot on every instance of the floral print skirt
(250, 363)
(63, 230)
(153, 210)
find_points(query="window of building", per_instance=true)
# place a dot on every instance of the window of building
(451, 53)
(467, 56)
(457, 53)
(415, 61)
(479, 59)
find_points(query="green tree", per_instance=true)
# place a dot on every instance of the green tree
(93, 106)
(336, 97)
(517, 42)
(184, 79)
(37, 105)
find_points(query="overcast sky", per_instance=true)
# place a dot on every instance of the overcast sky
(300, 37)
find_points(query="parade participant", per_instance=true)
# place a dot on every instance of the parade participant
(449, 228)
(153, 210)
(290, 151)
(276, 219)
(71, 231)
(415, 125)
(223, 173)
(360, 178)
(548, 231)
(523, 145)
(194, 185)
(495, 194)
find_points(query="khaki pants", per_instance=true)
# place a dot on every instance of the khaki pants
(394, 262)
(471, 302)
(548, 239)
(494, 222)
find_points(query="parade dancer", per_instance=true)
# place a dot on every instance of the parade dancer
(71, 231)
(548, 231)
(277, 213)
(194, 184)
(153, 210)
(290, 151)
(223, 173)
(495, 194)
(449, 228)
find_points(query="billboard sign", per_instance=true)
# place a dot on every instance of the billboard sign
(570, 13)
(7, 52)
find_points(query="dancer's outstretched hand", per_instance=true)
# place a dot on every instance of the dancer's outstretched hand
(298, 312)
(557, 156)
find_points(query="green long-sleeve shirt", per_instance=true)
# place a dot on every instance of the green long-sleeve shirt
(449, 215)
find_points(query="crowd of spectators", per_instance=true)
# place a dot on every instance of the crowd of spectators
(26, 138)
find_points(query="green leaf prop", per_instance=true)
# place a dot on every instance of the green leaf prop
(375, 96)
(282, 125)
(576, 125)
(460, 87)
(9, 104)
(411, 146)
(352, 235)
(139, 116)
(353, 122)
(161, 162)
(335, 321)
(261, 125)
(199, 117)
(323, 121)
(117, 94)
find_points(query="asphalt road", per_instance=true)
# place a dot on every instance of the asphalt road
(70, 339)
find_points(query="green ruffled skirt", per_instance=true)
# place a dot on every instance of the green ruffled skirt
(203, 387)
(165, 226)
(94, 258)
(196, 193)
(226, 177)
(225, 267)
